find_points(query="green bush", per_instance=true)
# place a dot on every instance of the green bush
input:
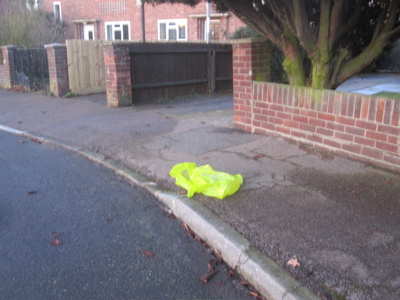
(244, 32)
(29, 27)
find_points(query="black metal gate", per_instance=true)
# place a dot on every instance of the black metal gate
(31, 67)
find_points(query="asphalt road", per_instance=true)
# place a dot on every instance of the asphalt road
(71, 229)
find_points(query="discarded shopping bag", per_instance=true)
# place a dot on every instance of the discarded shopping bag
(205, 180)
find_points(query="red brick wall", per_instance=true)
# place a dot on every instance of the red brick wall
(90, 9)
(354, 125)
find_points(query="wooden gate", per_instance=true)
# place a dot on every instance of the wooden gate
(86, 66)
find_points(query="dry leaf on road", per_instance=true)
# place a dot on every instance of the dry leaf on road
(293, 262)
(256, 295)
(256, 157)
(55, 241)
(206, 278)
(147, 253)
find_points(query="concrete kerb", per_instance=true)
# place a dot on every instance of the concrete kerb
(11, 130)
(264, 274)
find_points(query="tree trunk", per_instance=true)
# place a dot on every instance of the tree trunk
(361, 61)
(321, 71)
(293, 65)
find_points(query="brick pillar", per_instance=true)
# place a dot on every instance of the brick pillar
(251, 61)
(58, 69)
(118, 74)
(9, 73)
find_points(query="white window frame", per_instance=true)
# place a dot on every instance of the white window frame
(86, 29)
(32, 5)
(57, 3)
(170, 25)
(113, 24)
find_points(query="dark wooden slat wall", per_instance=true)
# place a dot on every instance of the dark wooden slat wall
(177, 69)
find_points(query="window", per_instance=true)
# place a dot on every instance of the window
(88, 31)
(112, 7)
(117, 30)
(32, 4)
(172, 30)
(57, 10)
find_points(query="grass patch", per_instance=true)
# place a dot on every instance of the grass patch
(389, 95)
(70, 95)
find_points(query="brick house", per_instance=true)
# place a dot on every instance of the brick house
(121, 20)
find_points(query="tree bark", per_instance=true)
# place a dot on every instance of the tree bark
(293, 63)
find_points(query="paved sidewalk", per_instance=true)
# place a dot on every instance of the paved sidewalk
(370, 84)
(339, 218)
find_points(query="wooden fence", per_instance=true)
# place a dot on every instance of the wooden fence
(163, 70)
(86, 66)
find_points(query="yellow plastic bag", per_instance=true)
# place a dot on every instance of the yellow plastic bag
(205, 180)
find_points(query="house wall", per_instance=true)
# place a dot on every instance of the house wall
(73, 10)
(353, 125)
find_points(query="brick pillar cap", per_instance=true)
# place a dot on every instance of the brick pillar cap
(249, 40)
(55, 45)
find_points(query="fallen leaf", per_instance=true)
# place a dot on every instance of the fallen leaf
(22, 141)
(221, 282)
(190, 231)
(210, 267)
(244, 283)
(36, 141)
(19, 122)
(197, 238)
(148, 253)
(206, 278)
(219, 256)
(231, 273)
(256, 295)
(205, 157)
(109, 220)
(55, 241)
(170, 215)
(32, 192)
(293, 262)
(256, 157)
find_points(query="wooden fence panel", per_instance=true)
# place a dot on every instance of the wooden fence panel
(86, 66)
(163, 70)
